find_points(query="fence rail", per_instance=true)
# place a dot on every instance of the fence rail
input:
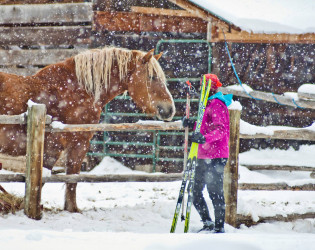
(34, 179)
(270, 97)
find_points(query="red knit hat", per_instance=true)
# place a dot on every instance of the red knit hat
(215, 82)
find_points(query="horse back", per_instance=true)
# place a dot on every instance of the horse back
(15, 91)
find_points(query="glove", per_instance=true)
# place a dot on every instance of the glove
(188, 123)
(198, 138)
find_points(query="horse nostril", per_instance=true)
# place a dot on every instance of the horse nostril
(165, 111)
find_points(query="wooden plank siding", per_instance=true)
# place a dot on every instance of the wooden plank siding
(33, 36)
(11, 2)
(34, 57)
(45, 36)
(137, 22)
(45, 13)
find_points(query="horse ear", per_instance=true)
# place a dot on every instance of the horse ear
(158, 56)
(148, 56)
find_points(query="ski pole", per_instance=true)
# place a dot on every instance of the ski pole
(186, 140)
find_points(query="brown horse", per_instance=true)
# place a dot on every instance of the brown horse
(75, 92)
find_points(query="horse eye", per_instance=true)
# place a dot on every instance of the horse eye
(154, 78)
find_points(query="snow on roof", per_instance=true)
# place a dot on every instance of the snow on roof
(265, 16)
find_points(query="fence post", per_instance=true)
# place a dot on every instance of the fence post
(34, 160)
(231, 169)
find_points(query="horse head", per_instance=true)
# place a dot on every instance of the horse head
(107, 72)
(147, 86)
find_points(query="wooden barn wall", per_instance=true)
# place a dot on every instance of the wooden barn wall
(276, 68)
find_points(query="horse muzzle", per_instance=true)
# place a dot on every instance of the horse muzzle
(165, 111)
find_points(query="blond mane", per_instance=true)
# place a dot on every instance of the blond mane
(93, 67)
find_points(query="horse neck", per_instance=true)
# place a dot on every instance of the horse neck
(115, 88)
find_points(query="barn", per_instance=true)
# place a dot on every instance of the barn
(195, 38)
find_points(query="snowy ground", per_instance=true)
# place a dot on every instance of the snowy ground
(138, 215)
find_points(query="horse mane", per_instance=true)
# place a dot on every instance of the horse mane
(93, 67)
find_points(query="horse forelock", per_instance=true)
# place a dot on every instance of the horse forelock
(93, 67)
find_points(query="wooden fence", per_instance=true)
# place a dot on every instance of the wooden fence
(36, 121)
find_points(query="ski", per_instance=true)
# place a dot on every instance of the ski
(181, 195)
(191, 164)
(193, 154)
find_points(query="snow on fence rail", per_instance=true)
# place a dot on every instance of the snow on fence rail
(34, 163)
(271, 97)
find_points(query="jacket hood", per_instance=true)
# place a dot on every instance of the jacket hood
(227, 99)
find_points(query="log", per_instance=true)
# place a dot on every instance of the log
(116, 127)
(34, 160)
(97, 178)
(279, 167)
(46, 13)
(276, 186)
(269, 97)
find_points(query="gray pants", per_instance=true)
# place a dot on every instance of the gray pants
(209, 173)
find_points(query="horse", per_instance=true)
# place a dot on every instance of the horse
(75, 91)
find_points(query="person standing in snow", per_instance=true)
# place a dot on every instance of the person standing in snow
(213, 153)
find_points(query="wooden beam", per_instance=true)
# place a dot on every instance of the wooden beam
(294, 134)
(19, 119)
(276, 186)
(116, 21)
(248, 220)
(116, 127)
(249, 37)
(278, 167)
(13, 163)
(46, 13)
(12, 178)
(135, 22)
(161, 12)
(13, 119)
(97, 178)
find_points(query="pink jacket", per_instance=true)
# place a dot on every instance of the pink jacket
(216, 129)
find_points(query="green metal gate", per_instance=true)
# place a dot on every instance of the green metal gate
(138, 148)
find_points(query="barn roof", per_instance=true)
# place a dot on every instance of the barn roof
(262, 21)
(267, 16)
